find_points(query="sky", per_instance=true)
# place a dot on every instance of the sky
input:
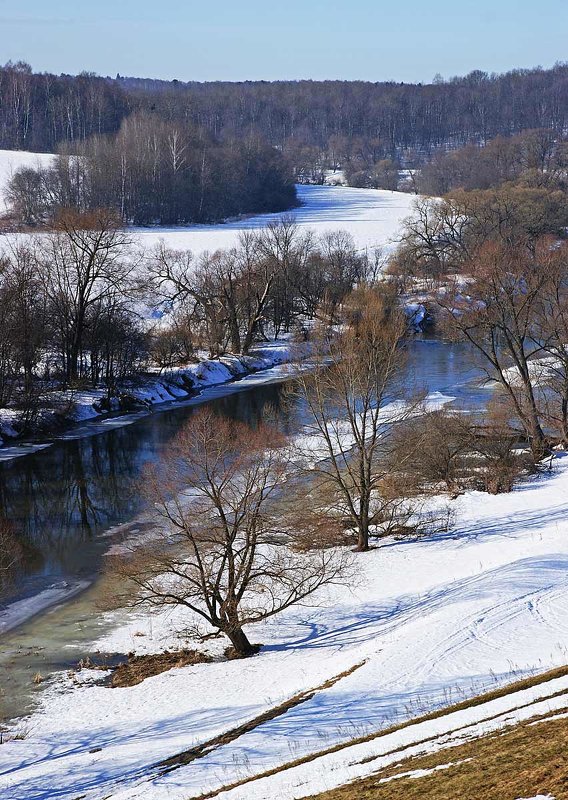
(402, 40)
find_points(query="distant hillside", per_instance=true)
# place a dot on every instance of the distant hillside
(392, 116)
(316, 124)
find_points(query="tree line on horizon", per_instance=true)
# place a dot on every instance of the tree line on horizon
(348, 121)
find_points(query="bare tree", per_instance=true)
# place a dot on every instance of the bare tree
(352, 410)
(495, 312)
(24, 327)
(221, 553)
(286, 252)
(551, 334)
(11, 554)
(84, 261)
(496, 443)
(434, 448)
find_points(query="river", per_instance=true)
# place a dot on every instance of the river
(72, 500)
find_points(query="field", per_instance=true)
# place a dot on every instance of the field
(372, 217)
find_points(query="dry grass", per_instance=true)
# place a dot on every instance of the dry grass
(517, 686)
(138, 668)
(233, 655)
(524, 761)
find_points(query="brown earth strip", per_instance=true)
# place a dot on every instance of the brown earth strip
(524, 761)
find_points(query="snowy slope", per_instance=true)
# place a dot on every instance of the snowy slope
(12, 160)
(428, 623)
(373, 217)
(364, 759)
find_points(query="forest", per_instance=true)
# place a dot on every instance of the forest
(345, 120)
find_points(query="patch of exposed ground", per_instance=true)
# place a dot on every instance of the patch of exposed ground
(528, 760)
(138, 668)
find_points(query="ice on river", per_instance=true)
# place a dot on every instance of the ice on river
(372, 216)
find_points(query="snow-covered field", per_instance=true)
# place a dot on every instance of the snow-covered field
(12, 160)
(427, 623)
(373, 217)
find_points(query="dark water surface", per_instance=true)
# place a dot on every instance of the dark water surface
(65, 498)
(68, 499)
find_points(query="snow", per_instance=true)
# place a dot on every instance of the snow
(335, 177)
(428, 622)
(416, 314)
(8, 452)
(538, 797)
(12, 160)
(177, 384)
(311, 448)
(423, 773)
(372, 216)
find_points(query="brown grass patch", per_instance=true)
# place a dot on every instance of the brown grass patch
(233, 655)
(138, 668)
(524, 761)
(517, 686)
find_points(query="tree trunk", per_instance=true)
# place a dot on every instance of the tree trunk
(564, 421)
(234, 333)
(538, 441)
(363, 533)
(240, 642)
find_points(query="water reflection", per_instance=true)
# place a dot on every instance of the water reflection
(63, 498)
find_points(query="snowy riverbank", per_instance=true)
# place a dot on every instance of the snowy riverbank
(64, 408)
(428, 623)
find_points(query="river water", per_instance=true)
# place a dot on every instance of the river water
(74, 498)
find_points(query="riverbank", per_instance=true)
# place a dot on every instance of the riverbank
(63, 409)
(430, 622)
(69, 494)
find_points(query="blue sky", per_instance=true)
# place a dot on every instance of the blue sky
(408, 40)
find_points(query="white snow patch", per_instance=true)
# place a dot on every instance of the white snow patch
(372, 216)
(11, 161)
(538, 797)
(423, 773)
